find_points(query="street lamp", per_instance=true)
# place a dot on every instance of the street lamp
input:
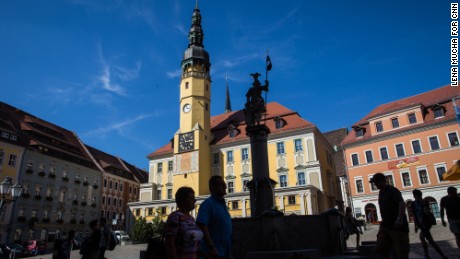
(6, 186)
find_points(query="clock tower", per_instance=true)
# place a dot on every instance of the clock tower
(192, 152)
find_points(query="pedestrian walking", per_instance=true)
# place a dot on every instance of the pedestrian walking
(352, 226)
(63, 247)
(424, 220)
(215, 222)
(394, 228)
(451, 203)
(182, 235)
(90, 246)
(105, 237)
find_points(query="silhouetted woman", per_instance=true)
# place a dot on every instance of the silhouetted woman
(182, 235)
(424, 220)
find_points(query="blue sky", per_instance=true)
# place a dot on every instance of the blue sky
(109, 69)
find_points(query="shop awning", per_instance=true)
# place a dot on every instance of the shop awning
(453, 173)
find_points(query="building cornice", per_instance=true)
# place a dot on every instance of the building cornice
(400, 133)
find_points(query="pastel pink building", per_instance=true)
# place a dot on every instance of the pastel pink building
(413, 141)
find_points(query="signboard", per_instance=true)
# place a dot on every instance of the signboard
(402, 163)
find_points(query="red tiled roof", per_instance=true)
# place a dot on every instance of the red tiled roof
(426, 99)
(110, 163)
(141, 175)
(221, 122)
(104, 159)
(39, 133)
(442, 95)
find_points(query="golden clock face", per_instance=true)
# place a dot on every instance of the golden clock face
(186, 141)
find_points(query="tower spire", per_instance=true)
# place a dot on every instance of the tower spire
(195, 36)
(228, 106)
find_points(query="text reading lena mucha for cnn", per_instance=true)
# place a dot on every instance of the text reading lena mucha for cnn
(454, 44)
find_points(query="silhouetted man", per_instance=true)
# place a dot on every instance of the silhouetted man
(451, 203)
(394, 229)
(215, 222)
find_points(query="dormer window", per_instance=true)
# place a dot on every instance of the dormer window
(395, 123)
(279, 122)
(379, 126)
(412, 118)
(438, 111)
(359, 132)
(232, 131)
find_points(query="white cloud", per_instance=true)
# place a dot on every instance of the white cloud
(127, 74)
(229, 63)
(174, 74)
(111, 74)
(119, 126)
(107, 84)
(181, 28)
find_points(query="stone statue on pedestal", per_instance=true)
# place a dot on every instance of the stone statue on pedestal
(255, 103)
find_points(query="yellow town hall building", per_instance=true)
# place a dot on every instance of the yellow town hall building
(300, 158)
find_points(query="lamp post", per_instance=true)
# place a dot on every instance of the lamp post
(6, 186)
(7, 189)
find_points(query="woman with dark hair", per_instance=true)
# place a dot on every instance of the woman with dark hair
(424, 220)
(182, 235)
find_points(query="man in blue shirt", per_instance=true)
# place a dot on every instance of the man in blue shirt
(215, 222)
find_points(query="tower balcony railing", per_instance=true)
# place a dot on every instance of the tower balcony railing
(196, 74)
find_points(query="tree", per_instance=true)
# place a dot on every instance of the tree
(143, 230)
(157, 224)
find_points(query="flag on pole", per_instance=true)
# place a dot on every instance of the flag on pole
(269, 63)
(457, 111)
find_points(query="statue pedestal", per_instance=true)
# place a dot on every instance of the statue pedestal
(261, 187)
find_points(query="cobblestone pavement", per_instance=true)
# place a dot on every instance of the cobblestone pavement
(120, 252)
(441, 235)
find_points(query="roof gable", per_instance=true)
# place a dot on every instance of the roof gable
(221, 122)
(443, 95)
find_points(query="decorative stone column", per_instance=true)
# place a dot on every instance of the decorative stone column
(302, 203)
(281, 197)
(309, 204)
(261, 187)
(243, 202)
